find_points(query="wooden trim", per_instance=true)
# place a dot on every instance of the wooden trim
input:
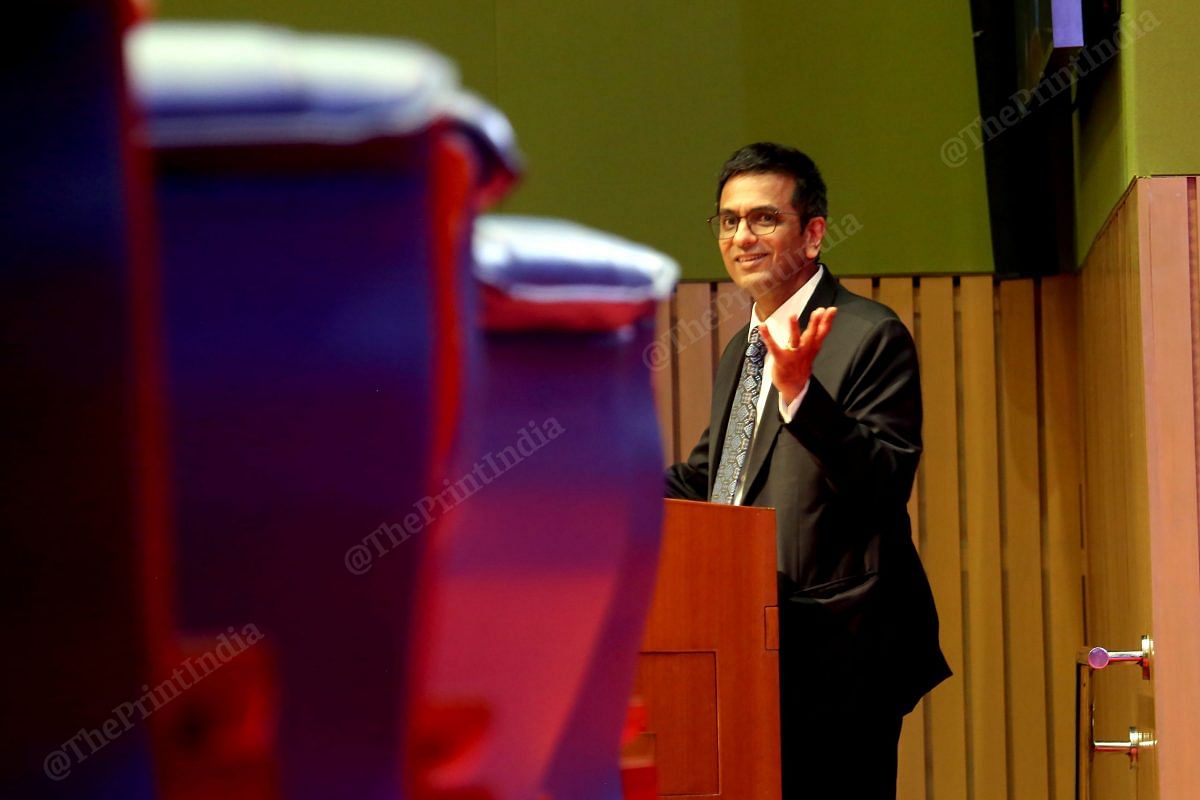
(1167, 312)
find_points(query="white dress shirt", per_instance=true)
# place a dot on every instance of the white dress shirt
(780, 324)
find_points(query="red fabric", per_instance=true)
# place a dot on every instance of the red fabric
(134, 11)
(435, 736)
(502, 312)
(146, 341)
(442, 736)
(454, 173)
(639, 782)
(498, 185)
(635, 721)
(217, 738)
(639, 773)
(452, 177)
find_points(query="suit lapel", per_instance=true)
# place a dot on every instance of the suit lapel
(823, 296)
(725, 385)
(764, 438)
(771, 422)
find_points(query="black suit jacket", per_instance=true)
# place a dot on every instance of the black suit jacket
(851, 586)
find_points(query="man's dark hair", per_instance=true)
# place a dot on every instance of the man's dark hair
(769, 157)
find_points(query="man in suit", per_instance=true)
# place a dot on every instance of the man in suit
(816, 412)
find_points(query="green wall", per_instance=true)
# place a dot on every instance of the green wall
(1102, 161)
(625, 110)
(1166, 88)
(1144, 120)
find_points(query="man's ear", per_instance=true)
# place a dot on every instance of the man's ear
(814, 233)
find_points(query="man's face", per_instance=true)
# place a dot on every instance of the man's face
(777, 263)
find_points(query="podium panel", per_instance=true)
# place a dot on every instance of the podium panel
(708, 670)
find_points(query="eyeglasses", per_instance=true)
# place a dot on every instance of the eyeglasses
(760, 221)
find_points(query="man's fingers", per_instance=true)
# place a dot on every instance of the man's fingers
(810, 338)
(769, 341)
(821, 322)
(805, 337)
(826, 322)
(812, 329)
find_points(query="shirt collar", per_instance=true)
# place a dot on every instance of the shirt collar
(790, 309)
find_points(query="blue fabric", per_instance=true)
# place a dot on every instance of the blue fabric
(300, 367)
(72, 584)
(523, 555)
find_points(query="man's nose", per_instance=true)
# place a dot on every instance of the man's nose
(742, 235)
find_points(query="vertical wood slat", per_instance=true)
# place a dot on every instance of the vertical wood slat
(860, 286)
(662, 366)
(1024, 641)
(987, 748)
(1194, 257)
(733, 311)
(1062, 544)
(693, 332)
(939, 514)
(897, 294)
(1137, 616)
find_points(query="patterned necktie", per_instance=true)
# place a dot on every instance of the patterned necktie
(742, 417)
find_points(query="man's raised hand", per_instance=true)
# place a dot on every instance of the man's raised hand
(793, 360)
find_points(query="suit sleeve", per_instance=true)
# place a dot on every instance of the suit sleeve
(688, 480)
(869, 441)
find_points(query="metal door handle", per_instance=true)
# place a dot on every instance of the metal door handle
(1099, 657)
(1137, 740)
(1087, 662)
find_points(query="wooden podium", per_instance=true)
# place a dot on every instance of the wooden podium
(708, 671)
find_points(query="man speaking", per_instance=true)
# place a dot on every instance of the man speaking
(816, 412)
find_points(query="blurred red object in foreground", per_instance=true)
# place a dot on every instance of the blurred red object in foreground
(441, 737)
(639, 777)
(217, 738)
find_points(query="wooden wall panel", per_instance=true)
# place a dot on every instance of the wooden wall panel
(1021, 539)
(1168, 256)
(694, 324)
(661, 360)
(898, 294)
(1115, 507)
(946, 741)
(1062, 543)
(733, 311)
(984, 675)
(860, 286)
